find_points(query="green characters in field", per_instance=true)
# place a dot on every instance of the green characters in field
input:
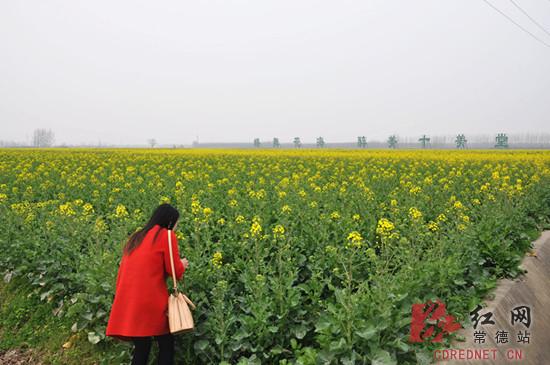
(461, 141)
(392, 141)
(424, 141)
(362, 142)
(320, 142)
(501, 140)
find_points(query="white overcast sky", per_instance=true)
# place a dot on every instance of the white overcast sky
(125, 71)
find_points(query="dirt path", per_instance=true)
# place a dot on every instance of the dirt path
(531, 290)
(19, 357)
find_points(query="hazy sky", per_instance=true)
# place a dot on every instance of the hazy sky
(125, 71)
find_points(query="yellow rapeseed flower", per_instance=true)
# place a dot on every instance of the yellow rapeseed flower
(334, 215)
(195, 207)
(433, 226)
(255, 229)
(100, 226)
(414, 213)
(121, 211)
(441, 218)
(217, 259)
(66, 209)
(415, 190)
(384, 227)
(88, 209)
(355, 240)
(278, 231)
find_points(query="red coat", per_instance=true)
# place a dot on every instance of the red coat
(141, 298)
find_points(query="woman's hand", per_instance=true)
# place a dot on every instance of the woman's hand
(184, 262)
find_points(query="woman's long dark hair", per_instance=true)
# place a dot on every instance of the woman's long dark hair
(164, 215)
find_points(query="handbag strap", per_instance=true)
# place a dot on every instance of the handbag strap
(172, 260)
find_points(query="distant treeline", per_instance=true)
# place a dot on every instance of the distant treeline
(474, 141)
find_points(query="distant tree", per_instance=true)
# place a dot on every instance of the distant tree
(11, 144)
(276, 143)
(43, 138)
(297, 142)
(392, 141)
(256, 142)
(362, 142)
(461, 141)
(152, 142)
(320, 142)
(424, 141)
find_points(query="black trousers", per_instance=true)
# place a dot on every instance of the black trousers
(142, 347)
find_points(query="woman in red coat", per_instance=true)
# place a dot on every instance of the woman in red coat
(140, 306)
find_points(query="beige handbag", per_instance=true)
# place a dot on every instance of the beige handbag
(180, 318)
